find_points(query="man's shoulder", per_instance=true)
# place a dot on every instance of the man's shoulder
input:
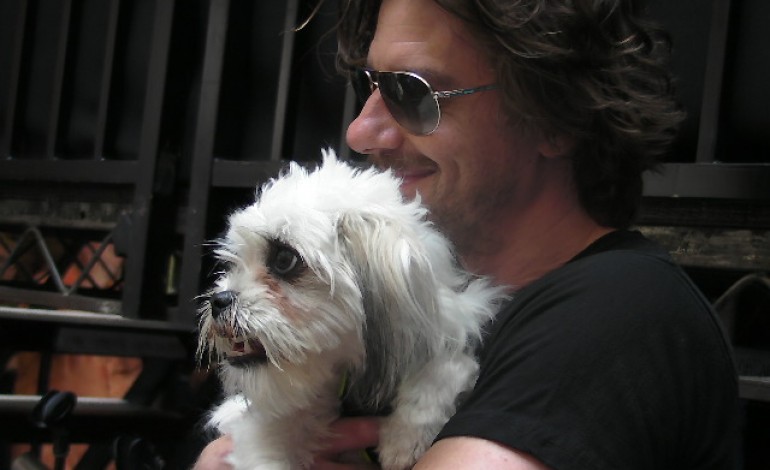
(631, 282)
(622, 263)
(622, 246)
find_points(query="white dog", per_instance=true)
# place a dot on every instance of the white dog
(331, 276)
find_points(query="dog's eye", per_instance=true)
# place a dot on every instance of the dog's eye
(285, 262)
(224, 265)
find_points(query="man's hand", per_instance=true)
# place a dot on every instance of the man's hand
(345, 449)
(214, 455)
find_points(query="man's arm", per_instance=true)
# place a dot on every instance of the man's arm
(471, 453)
(450, 453)
(352, 434)
(344, 448)
(214, 455)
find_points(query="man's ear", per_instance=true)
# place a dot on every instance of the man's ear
(556, 146)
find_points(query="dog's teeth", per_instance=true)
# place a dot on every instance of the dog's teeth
(244, 347)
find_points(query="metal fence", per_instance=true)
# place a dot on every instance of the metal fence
(130, 127)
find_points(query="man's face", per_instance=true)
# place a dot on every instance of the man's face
(476, 167)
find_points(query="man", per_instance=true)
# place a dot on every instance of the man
(607, 357)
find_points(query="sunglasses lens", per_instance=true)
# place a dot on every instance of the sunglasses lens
(410, 100)
(362, 85)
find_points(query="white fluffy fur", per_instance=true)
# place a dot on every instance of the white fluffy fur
(377, 297)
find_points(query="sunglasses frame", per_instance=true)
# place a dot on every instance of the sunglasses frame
(373, 79)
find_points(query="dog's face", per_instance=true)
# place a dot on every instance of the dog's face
(285, 292)
(299, 265)
(272, 302)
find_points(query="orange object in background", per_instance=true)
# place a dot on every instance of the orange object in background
(84, 375)
(104, 274)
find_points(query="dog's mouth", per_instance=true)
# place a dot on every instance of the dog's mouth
(245, 352)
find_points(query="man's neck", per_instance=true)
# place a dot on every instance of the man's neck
(527, 248)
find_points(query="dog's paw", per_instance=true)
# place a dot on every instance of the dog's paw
(231, 411)
(402, 442)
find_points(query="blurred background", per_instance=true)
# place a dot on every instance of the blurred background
(130, 128)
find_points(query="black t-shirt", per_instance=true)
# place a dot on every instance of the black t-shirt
(613, 361)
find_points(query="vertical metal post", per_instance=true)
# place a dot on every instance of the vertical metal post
(54, 116)
(348, 115)
(203, 158)
(148, 150)
(106, 79)
(284, 80)
(708, 131)
(13, 81)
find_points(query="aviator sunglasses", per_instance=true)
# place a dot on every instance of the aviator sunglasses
(409, 98)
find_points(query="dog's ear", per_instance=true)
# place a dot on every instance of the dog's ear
(391, 263)
(398, 288)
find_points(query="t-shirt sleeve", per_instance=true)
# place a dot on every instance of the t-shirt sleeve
(607, 364)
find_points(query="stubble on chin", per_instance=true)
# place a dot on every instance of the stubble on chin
(470, 223)
(464, 234)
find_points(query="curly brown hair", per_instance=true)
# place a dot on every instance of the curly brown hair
(593, 70)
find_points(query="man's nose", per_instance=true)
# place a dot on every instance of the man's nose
(374, 129)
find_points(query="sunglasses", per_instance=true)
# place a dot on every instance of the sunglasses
(409, 98)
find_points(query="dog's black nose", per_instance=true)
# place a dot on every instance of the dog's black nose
(220, 302)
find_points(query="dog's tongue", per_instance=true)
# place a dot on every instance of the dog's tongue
(247, 348)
